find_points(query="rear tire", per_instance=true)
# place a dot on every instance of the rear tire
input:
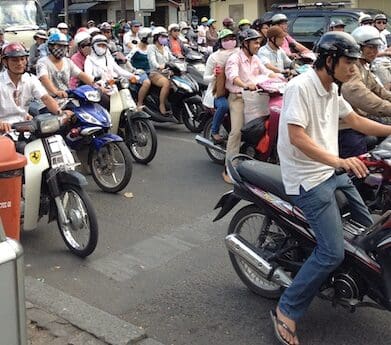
(82, 221)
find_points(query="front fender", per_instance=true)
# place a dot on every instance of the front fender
(101, 141)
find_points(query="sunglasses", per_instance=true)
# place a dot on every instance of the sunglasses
(85, 45)
(175, 30)
(381, 22)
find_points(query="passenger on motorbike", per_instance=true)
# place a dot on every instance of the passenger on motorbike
(308, 151)
(54, 71)
(174, 43)
(40, 37)
(17, 88)
(158, 56)
(83, 44)
(106, 30)
(365, 19)
(262, 26)
(211, 34)
(364, 93)
(193, 31)
(216, 94)
(272, 55)
(131, 38)
(228, 23)
(244, 24)
(202, 29)
(242, 71)
(138, 56)
(183, 32)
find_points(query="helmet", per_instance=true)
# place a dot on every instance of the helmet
(228, 21)
(62, 26)
(144, 33)
(279, 18)
(365, 19)
(58, 38)
(53, 31)
(135, 23)
(274, 32)
(337, 22)
(338, 43)
(173, 26)
(41, 34)
(81, 37)
(211, 21)
(14, 50)
(93, 31)
(97, 39)
(380, 16)
(204, 19)
(159, 30)
(225, 33)
(183, 25)
(244, 22)
(105, 26)
(91, 23)
(248, 35)
(367, 35)
(82, 29)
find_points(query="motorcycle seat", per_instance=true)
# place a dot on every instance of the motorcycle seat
(265, 176)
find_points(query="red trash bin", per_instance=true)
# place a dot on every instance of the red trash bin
(11, 170)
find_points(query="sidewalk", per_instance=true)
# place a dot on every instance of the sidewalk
(56, 318)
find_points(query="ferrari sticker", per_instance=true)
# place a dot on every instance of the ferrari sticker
(35, 157)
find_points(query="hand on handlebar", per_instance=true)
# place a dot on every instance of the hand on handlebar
(61, 94)
(353, 164)
(250, 86)
(5, 127)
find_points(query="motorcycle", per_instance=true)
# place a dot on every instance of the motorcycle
(196, 68)
(109, 159)
(252, 146)
(269, 240)
(133, 126)
(52, 187)
(183, 99)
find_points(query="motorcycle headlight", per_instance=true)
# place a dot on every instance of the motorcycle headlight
(124, 83)
(50, 124)
(93, 96)
(89, 118)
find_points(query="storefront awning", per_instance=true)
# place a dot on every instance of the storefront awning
(81, 7)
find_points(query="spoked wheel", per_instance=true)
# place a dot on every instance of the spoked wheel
(111, 166)
(194, 117)
(254, 226)
(143, 149)
(80, 231)
(214, 155)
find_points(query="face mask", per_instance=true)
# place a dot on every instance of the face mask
(245, 27)
(100, 51)
(185, 32)
(58, 53)
(194, 23)
(163, 41)
(228, 44)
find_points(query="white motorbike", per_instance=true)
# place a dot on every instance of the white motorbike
(52, 187)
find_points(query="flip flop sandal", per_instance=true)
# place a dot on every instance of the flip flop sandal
(277, 322)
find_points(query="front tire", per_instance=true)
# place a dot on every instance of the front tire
(252, 224)
(194, 117)
(80, 233)
(111, 166)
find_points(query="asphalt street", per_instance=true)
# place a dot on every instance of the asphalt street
(161, 263)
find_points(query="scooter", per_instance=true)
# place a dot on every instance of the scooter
(109, 159)
(183, 100)
(263, 146)
(269, 240)
(196, 68)
(135, 127)
(51, 185)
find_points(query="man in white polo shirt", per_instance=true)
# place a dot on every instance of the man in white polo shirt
(308, 151)
(18, 88)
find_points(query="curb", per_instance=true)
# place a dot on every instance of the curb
(102, 325)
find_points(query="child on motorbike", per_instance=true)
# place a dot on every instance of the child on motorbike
(158, 56)
(216, 95)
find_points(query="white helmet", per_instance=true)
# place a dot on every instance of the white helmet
(278, 18)
(93, 30)
(52, 31)
(159, 31)
(62, 26)
(367, 35)
(82, 36)
(97, 39)
(173, 26)
(183, 25)
(144, 33)
(365, 19)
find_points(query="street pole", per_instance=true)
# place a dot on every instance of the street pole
(66, 11)
(123, 9)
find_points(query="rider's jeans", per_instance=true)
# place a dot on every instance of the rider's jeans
(321, 210)
(221, 106)
(236, 108)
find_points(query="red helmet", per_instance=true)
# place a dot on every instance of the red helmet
(14, 50)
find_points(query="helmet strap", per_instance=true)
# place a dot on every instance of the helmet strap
(247, 48)
(273, 41)
(331, 71)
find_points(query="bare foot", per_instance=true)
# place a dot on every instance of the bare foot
(288, 336)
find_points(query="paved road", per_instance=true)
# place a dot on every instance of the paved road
(161, 262)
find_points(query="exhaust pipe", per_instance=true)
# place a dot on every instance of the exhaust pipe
(242, 248)
(208, 143)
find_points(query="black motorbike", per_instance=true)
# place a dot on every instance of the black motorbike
(269, 240)
(196, 68)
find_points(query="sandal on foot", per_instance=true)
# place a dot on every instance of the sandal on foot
(218, 140)
(277, 322)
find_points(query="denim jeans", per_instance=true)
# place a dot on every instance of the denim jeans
(321, 210)
(221, 106)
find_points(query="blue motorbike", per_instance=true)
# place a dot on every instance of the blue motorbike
(109, 158)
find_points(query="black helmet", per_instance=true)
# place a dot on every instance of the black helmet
(337, 43)
(247, 35)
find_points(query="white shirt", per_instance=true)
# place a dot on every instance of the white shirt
(277, 58)
(308, 105)
(128, 38)
(382, 48)
(15, 100)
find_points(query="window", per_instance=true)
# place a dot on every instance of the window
(350, 22)
(308, 26)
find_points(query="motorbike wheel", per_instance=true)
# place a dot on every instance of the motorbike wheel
(194, 116)
(254, 226)
(80, 234)
(214, 155)
(144, 148)
(111, 166)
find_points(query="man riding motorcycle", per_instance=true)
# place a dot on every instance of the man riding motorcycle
(364, 93)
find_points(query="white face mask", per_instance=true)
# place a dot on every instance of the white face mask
(100, 51)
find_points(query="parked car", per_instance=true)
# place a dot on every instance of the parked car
(307, 22)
